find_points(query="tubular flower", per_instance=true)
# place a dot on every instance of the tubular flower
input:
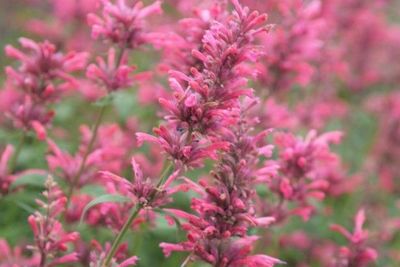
(43, 72)
(5, 177)
(232, 253)
(111, 75)
(357, 253)
(10, 257)
(50, 238)
(123, 23)
(186, 149)
(68, 165)
(204, 102)
(143, 191)
(305, 169)
(98, 254)
(225, 210)
(27, 115)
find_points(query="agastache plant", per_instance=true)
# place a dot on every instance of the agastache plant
(199, 132)
(122, 25)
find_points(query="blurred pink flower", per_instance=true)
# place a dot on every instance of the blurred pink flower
(123, 23)
(357, 253)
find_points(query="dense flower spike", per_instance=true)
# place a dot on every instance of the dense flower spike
(50, 238)
(123, 22)
(293, 47)
(230, 253)
(243, 123)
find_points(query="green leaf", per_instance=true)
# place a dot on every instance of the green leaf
(104, 199)
(29, 179)
(93, 190)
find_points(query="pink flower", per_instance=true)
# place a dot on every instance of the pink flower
(68, 165)
(142, 190)
(293, 47)
(185, 148)
(50, 238)
(305, 172)
(27, 115)
(123, 23)
(13, 257)
(41, 66)
(5, 177)
(224, 253)
(98, 254)
(112, 75)
(357, 253)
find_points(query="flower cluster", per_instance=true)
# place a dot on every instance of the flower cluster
(122, 23)
(50, 238)
(199, 133)
(43, 74)
(357, 253)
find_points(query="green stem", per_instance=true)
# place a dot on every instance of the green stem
(121, 234)
(18, 149)
(75, 180)
(138, 207)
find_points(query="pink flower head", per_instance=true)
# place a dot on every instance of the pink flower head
(302, 158)
(13, 257)
(293, 47)
(113, 74)
(305, 171)
(123, 23)
(68, 165)
(50, 238)
(357, 253)
(27, 115)
(41, 66)
(224, 253)
(186, 149)
(98, 255)
(204, 97)
(142, 190)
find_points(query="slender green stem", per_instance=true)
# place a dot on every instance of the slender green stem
(96, 126)
(75, 180)
(138, 207)
(18, 149)
(121, 234)
(187, 260)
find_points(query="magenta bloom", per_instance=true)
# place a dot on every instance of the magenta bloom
(112, 75)
(232, 253)
(14, 257)
(141, 190)
(41, 66)
(27, 115)
(185, 149)
(98, 254)
(50, 238)
(123, 23)
(357, 253)
(5, 177)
